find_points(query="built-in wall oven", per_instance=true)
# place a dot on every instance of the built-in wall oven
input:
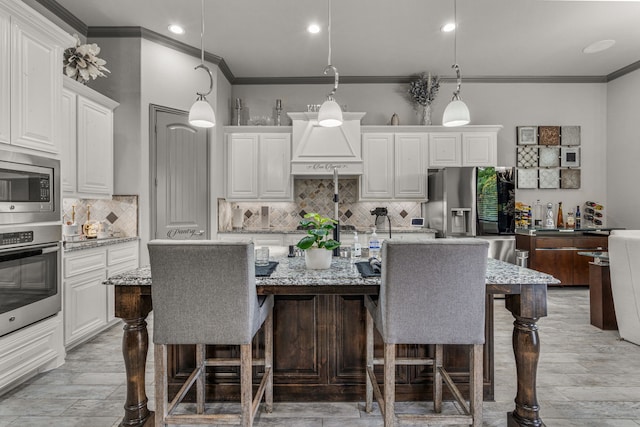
(30, 274)
(29, 188)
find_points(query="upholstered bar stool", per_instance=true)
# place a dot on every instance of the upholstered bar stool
(431, 292)
(204, 292)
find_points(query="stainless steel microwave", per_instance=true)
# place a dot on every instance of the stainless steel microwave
(29, 188)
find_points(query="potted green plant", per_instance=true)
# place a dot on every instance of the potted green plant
(316, 243)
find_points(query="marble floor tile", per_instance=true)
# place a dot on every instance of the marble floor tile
(18, 406)
(5, 421)
(63, 422)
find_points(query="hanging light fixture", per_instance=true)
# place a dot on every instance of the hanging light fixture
(201, 114)
(330, 114)
(457, 112)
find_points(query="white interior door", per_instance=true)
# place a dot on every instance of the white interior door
(181, 178)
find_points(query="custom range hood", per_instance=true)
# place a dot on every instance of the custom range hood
(318, 150)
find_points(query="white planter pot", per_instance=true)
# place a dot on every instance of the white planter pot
(317, 259)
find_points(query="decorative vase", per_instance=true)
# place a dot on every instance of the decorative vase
(425, 118)
(317, 259)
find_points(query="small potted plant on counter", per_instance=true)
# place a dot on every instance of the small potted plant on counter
(317, 245)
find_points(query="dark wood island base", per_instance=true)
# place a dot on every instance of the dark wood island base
(319, 348)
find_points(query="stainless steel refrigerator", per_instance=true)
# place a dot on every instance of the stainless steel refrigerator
(451, 209)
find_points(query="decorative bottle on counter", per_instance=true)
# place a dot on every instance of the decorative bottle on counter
(578, 220)
(357, 247)
(560, 220)
(548, 221)
(91, 227)
(571, 221)
(538, 213)
(374, 245)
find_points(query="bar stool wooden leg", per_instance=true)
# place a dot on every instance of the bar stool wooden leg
(369, 364)
(268, 361)
(475, 386)
(245, 385)
(200, 381)
(437, 379)
(161, 398)
(389, 384)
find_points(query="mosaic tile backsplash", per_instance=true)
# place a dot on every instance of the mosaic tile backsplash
(121, 212)
(316, 195)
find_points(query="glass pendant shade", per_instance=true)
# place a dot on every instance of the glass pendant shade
(456, 114)
(201, 114)
(330, 114)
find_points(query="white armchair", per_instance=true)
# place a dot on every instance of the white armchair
(624, 262)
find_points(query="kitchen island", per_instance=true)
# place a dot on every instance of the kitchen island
(319, 338)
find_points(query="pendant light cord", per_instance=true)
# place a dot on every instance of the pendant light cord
(329, 30)
(202, 95)
(330, 67)
(455, 35)
(202, 34)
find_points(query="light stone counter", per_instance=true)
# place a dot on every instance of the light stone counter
(96, 243)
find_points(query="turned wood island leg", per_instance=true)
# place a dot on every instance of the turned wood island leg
(133, 308)
(526, 308)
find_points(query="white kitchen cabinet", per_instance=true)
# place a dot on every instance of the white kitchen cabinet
(87, 146)
(88, 305)
(377, 157)
(30, 77)
(68, 133)
(395, 166)
(479, 148)
(258, 166)
(445, 149)
(469, 148)
(411, 164)
(5, 77)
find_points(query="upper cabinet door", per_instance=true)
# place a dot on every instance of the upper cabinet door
(68, 134)
(377, 155)
(36, 82)
(479, 148)
(275, 166)
(95, 148)
(5, 78)
(445, 149)
(411, 165)
(242, 166)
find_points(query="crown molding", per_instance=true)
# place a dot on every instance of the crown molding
(61, 12)
(141, 32)
(406, 79)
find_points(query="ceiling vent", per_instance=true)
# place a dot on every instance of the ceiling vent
(318, 150)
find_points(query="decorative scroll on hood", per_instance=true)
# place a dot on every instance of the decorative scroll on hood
(317, 150)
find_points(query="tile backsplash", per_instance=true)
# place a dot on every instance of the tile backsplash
(316, 195)
(121, 212)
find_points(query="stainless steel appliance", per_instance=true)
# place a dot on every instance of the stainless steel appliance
(451, 209)
(495, 187)
(30, 274)
(29, 188)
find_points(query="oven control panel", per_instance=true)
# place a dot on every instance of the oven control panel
(16, 238)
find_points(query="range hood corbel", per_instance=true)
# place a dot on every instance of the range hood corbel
(317, 151)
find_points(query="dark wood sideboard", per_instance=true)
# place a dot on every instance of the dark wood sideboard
(556, 253)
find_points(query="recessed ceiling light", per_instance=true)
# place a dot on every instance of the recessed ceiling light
(447, 28)
(313, 28)
(599, 46)
(176, 29)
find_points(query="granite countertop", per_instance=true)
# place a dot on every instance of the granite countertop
(362, 231)
(292, 272)
(96, 243)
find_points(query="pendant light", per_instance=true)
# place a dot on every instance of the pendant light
(330, 114)
(201, 114)
(457, 112)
